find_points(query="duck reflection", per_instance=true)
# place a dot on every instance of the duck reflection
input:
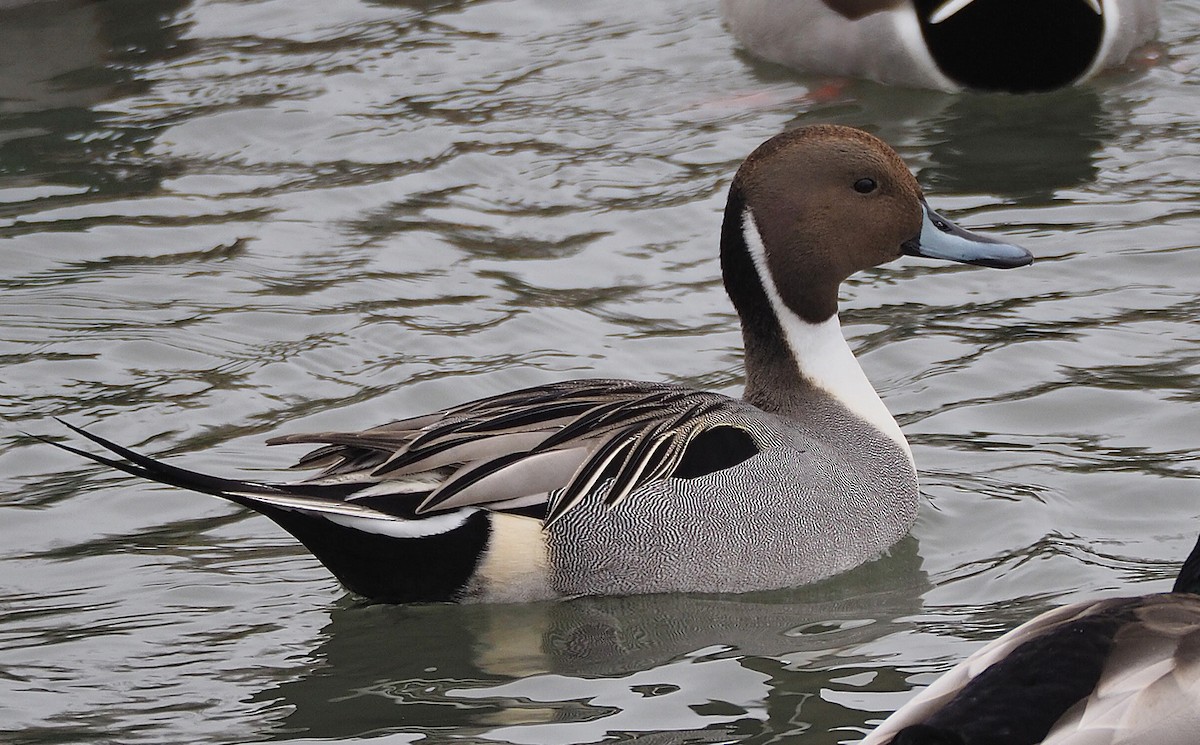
(61, 59)
(574, 671)
(1021, 148)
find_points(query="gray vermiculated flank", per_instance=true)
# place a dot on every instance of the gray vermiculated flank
(813, 503)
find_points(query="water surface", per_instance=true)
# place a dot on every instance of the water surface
(225, 220)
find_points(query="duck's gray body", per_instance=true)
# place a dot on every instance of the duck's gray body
(824, 494)
(617, 487)
(1010, 45)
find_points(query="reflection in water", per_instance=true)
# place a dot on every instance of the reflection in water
(42, 46)
(981, 143)
(973, 150)
(61, 59)
(576, 670)
(263, 216)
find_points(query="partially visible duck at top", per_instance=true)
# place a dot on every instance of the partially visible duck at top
(1018, 46)
(1120, 671)
(602, 487)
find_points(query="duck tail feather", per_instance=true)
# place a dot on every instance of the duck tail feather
(136, 464)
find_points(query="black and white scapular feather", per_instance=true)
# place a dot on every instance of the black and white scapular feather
(619, 487)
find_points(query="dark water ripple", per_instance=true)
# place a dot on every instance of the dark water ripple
(220, 221)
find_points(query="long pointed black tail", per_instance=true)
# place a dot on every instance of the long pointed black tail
(148, 468)
(366, 550)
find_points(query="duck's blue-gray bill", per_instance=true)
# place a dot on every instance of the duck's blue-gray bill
(942, 239)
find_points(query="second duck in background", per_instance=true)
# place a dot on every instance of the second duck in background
(1017, 46)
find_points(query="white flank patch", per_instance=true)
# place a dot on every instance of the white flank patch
(514, 566)
(820, 350)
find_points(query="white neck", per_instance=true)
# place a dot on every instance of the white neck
(820, 350)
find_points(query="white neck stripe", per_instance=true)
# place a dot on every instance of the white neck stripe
(820, 351)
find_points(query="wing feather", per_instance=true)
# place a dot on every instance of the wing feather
(501, 479)
(555, 444)
(591, 472)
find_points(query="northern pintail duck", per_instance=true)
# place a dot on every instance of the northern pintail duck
(1006, 45)
(618, 487)
(1121, 671)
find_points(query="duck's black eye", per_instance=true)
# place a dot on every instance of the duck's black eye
(865, 185)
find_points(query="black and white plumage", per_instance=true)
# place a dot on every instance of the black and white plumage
(618, 487)
(1006, 45)
(1121, 671)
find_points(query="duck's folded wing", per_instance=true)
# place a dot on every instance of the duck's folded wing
(1149, 691)
(548, 446)
(1110, 672)
(933, 699)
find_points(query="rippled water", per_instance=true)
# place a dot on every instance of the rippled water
(223, 220)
